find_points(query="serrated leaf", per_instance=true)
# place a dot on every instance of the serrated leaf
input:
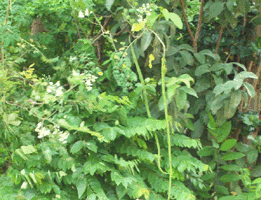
(81, 187)
(230, 178)
(233, 156)
(77, 146)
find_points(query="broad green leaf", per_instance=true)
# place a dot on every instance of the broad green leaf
(231, 197)
(181, 99)
(223, 131)
(236, 97)
(252, 155)
(176, 20)
(165, 12)
(209, 53)
(200, 57)
(215, 9)
(230, 178)
(28, 149)
(146, 39)
(217, 103)
(92, 146)
(202, 69)
(11, 119)
(151, 19)
(217, 67)
(77, 146)
(250, 89)
(233, 156)
(81, 187)
(186, 47)
(228, 144)
(240, 65)
(257, 181)
(206, 151)
(256, 172)
(222, 189)
(187, 57)
(109, 4)
(229, 111)
(230, 4)
(189, 91)
(231, 168)
(172, 90)
(218, 89)
(243, 75)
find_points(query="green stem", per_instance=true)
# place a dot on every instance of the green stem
(163, 72)
(146, 103)
(142, 81)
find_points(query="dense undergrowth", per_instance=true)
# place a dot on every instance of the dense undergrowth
(119, 100)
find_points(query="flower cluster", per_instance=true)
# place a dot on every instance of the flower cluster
(88, 79)
(145, 9)
(55, 88)
(86, 13)
(43, 132)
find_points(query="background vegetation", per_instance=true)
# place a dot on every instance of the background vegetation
(115, 99)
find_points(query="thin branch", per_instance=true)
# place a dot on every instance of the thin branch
(219, 39)
(186, 21)
(199, 21)
(231, 33)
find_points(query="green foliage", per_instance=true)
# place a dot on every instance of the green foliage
(114, 102)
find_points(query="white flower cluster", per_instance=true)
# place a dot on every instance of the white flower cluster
(145, 9)
(43, 132)
(87, 78)
(86, 13)
(51, 88)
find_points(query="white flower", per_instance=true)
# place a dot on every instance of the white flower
(81, 15)
(64, 136)
(148, 13)
(39, 125)
(75, 73)
(82, 124)
(89, 88)
(50, 83)
(57, 83)
(59, 92)
(86, 12)
(148, 5)
(43, 132)
(140, 20)
(88, 82)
